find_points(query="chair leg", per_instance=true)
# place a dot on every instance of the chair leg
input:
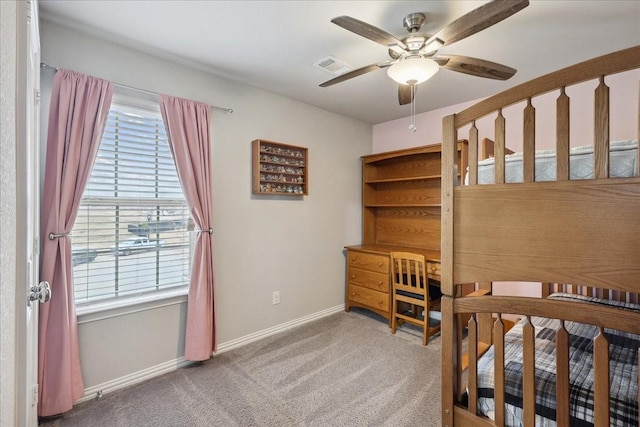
(425, 337)
(394, 319)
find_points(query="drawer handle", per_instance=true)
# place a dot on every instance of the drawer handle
(380, 282)
(353, 294)
(379, 264)
(433, 269)
(353, 276)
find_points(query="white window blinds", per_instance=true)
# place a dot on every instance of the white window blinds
(132, 234)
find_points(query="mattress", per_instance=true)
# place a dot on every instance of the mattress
(623, 162)
(623, 349)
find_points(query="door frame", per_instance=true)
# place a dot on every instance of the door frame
(8, 270)
(27, 213)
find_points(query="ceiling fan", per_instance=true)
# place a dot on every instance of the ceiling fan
(414, 57)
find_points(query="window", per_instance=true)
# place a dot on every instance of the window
(132, 234)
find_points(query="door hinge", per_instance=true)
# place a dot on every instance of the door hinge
(36, 246)
(37, 97)
(34, 397)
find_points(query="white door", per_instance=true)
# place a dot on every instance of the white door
(28, 209)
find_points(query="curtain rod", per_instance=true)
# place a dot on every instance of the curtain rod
(148, 92)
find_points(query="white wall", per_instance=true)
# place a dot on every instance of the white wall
(262, 243)
(395, 135)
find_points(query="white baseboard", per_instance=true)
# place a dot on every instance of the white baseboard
(99, 390)
(239, 342)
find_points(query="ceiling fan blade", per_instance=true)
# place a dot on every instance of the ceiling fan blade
(477, 67)
(404, 94)
(440, 60)
(369, 31)
(356, 73)
(477, 20)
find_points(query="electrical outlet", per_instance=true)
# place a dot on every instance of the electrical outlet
(276, 297)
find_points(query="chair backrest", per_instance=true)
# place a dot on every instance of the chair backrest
(409, 274)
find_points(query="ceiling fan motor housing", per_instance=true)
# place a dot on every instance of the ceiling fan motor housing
(413, 22)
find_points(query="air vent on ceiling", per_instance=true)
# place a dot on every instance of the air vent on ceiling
(333, 65)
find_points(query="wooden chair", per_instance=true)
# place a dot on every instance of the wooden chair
(411, 286)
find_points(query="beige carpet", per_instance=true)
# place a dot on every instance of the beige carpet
(343, 370)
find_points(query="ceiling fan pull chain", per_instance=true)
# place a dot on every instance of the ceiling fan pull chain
(412, 126)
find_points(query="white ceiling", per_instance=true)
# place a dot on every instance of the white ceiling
(272, 45)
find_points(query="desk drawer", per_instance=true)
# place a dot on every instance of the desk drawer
(377, 263)
(369, 297)
(434, 270)
(369, 279)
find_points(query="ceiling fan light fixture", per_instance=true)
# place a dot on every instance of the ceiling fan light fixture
(413, 70)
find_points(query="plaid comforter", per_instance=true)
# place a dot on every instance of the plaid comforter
(623, 351)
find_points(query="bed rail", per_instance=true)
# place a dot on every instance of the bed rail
(597, 68)
(616, 62)
(602, 317)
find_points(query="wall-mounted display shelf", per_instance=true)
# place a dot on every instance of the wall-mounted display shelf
(280, 169)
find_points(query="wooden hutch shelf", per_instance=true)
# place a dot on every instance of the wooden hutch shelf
(401, 212)
(403, 205)
(417, 178)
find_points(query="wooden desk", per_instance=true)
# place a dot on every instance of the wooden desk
(368, 278)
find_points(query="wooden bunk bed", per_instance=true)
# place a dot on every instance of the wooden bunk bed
(580, 236)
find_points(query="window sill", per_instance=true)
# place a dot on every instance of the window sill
(134, 304)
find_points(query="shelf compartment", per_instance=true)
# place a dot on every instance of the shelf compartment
(274, 163)
(404, 167)
(398, 193)
(403, 205)
(415, 178)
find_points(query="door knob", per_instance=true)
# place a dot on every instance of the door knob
(40, 292)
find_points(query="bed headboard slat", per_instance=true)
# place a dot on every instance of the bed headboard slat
(562, 136)
(601, 131)
(529, 142)
(472, 338)
(562, 376)
(473, 154)
(499, 388)
(601, 379)
(499, 145)
(529, 373)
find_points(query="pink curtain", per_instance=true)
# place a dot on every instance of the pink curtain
(187, 124)
(77, 118)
